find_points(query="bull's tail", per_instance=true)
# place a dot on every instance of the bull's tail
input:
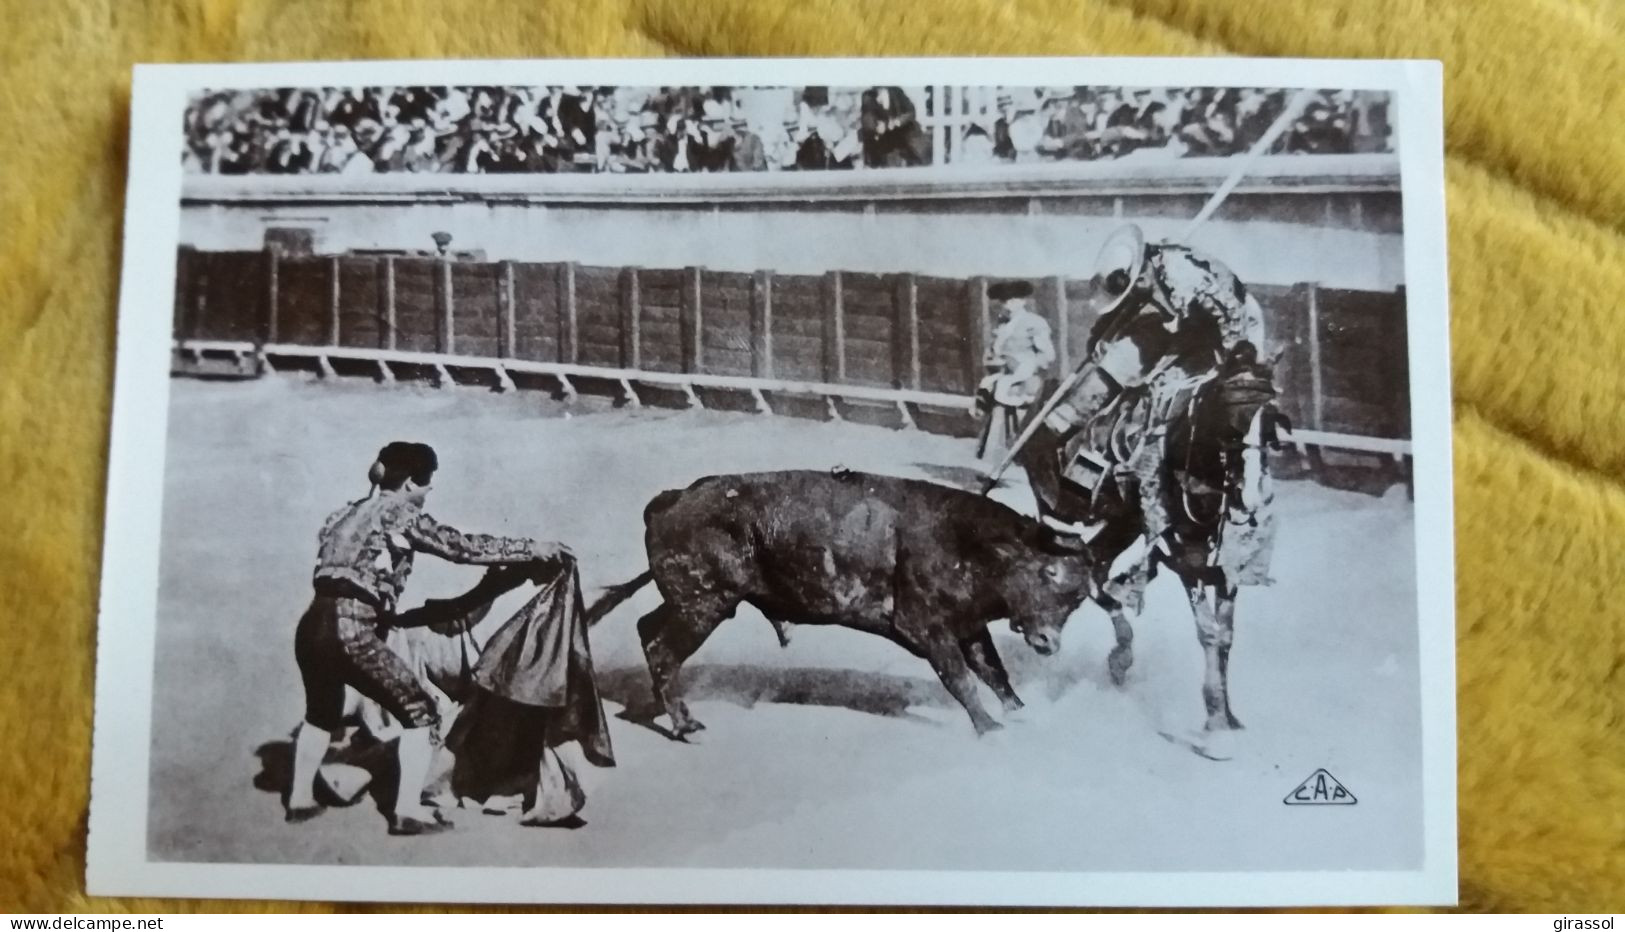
(615, 595)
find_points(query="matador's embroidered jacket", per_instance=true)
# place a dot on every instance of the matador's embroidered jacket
(369, 545)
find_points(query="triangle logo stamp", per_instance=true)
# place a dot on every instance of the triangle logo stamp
(1321, 789)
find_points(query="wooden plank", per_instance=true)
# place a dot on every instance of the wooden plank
(834, 329)
(788, 320)
(726, 326)
(505, 306)
(333, 301)
(360, 323)
(1396, 345)
(445, 331)
(386, 296)
(273, 265)
(304, 300)
(569, 328)
(761, 324)
(631, 319)
(1357, 442)
(535, 334)
(602, 334)
(692, 317)
(182, 310)
(200, 295)
(906, 332)
(727, 362)
(1317, 389)
(662, 278)
(863, 325)
(601, 349)
(1059, 326)
(975, 329)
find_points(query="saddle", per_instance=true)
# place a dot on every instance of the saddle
(1129, 428)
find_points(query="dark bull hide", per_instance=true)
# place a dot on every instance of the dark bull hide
(923, 565)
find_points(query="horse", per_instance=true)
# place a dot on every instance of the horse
(1204, 429)
(1216, 493)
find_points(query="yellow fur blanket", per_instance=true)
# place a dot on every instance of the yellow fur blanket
(1536, 201)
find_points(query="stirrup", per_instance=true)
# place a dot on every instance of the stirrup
(1087, 470)
(1082, 531)
(1094, 459)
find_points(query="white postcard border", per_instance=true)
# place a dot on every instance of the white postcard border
(117, 859)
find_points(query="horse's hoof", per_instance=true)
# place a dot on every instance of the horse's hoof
(983, 729)
(1208, 744)
(1117, 665)
(1216, 743)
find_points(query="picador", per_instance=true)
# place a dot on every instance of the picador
(1177, 323)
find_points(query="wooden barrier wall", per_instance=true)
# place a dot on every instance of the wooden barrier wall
(1342, 367)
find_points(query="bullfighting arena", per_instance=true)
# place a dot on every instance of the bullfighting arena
(839, 751)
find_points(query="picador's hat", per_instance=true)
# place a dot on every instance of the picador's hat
(1119, 265)
(1004, 291)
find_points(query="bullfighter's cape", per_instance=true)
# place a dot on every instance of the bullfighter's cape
(532, 690)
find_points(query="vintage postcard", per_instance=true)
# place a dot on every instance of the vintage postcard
(997, 481)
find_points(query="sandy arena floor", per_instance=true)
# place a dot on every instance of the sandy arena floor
(841, 751)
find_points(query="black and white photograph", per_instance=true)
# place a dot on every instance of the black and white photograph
(959, 482)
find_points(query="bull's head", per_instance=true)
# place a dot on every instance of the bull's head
(1044, 591)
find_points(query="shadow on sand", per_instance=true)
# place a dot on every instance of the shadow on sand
(884, 694)
(746, 685)
(276, 771)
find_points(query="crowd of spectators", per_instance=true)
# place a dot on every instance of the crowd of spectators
(710, 129)
(1096, 123)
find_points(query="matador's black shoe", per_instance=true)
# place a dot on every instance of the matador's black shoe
(293, 815)
(407, 825)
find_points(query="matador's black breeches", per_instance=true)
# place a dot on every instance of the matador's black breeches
(337, 645)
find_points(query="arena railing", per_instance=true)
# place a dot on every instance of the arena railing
(1128, 176)
(249, 357)
(1125, 177)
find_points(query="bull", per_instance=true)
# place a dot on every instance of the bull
(926, 566)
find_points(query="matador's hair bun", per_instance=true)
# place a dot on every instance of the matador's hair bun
(400, 461)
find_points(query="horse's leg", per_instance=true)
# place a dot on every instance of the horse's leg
(1224, 595)
(1213, 631)
(1122, 655)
